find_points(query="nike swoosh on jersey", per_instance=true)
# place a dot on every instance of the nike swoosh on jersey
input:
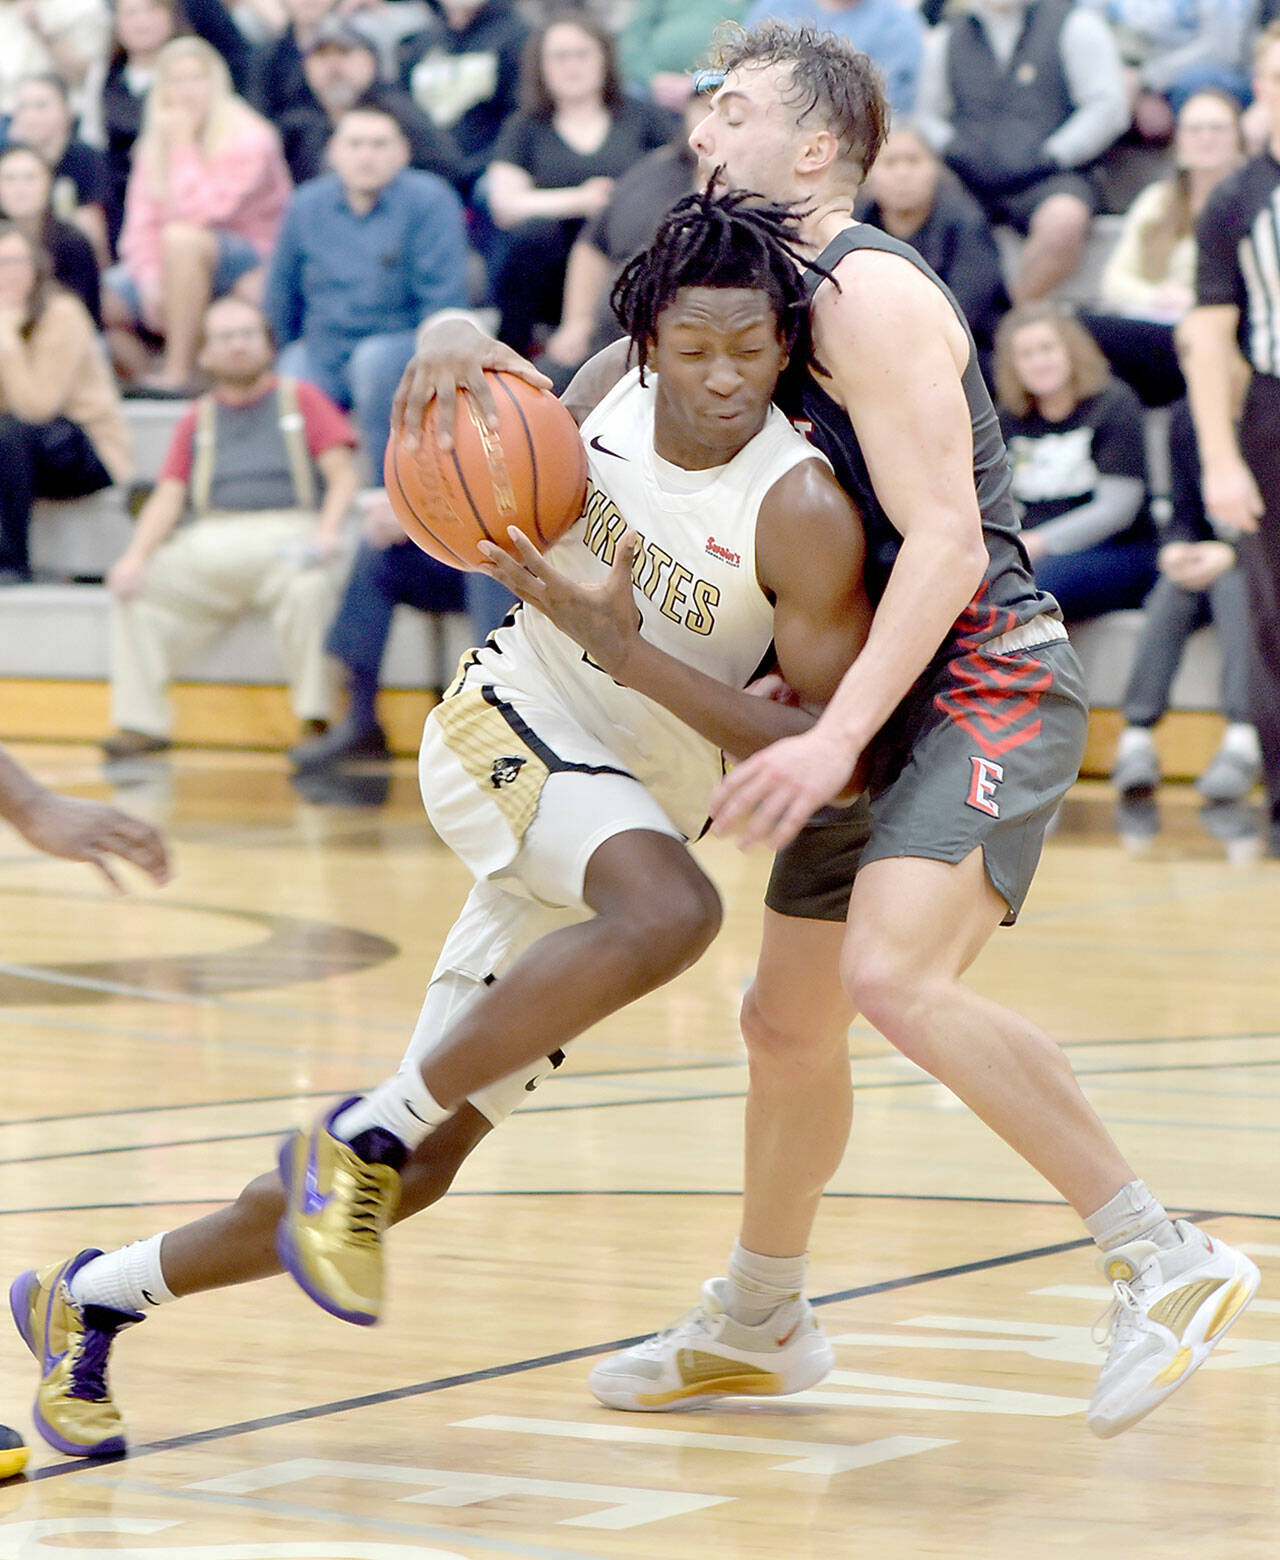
(604, 448)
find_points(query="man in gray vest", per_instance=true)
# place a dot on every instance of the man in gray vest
(264, 468)
(1019, 97)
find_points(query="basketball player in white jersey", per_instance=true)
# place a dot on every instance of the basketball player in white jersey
(571, 797)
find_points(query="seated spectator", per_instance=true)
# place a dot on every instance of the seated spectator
(61, 431)
(389, 571)
(64, 36)
(1149, 280)
(265, 469)
(463, 71)
(555, 163)
(913, 197)
(1019, 97)
(114, 98)
(278, 84)
(1199, 583)
(365, 254)
(1078, 462)
(341, 70)
(664, 41)
(116, 87)
(26, 186)
(204, 204)
(42, 119)
(891, 32)
(628, 224)
(1171, 49)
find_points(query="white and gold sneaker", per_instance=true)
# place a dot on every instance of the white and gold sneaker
(1171, 1306)
(707, 1355)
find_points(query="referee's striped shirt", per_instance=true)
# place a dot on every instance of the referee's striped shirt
(1238, 262)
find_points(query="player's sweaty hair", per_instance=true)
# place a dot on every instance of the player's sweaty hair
(831, 83)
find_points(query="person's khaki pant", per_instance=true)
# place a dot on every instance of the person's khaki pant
(210, 572)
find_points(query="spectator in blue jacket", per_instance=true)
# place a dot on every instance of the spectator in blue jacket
(365, 254)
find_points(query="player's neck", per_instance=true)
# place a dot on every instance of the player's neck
(826, 219)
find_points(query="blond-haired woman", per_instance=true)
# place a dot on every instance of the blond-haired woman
(1148, 283)
(204, 204)
(1079, 463)
(62, 434)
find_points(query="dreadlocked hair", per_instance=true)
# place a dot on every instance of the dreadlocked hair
(734, 239)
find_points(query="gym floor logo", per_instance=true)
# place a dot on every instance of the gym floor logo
(505, 770)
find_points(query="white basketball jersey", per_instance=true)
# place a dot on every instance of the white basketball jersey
(694, 580)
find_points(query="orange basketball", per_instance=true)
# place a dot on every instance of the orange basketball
(531, 473)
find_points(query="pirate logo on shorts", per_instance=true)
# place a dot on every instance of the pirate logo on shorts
(505, 770)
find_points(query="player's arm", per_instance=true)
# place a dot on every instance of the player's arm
(888, 338)
(595, 379)
(1210, 361)
(809, 559)
(894, 349)
(79, 830)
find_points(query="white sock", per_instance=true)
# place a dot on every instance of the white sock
(1132, 1214)
(1242, 738)
(403, 1105)
(130, 1279)
(1134, 739)
(759, 1285)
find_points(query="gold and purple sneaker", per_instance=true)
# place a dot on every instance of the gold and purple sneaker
(73, 1410)
(339, 1198)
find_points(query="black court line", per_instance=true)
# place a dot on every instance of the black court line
(674, 1069)
(1154, 1068)
(563, 1357)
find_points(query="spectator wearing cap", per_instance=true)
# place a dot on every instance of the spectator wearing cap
(365, 254)
(43, 120)
(277, 84)
(340, 65)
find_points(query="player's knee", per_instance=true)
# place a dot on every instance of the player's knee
(884, 989)
(784, 1043)
(672, 929)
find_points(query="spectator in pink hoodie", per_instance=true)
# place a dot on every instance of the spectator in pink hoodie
(204, 203)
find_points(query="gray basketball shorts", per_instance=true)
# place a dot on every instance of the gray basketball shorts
(979, 753)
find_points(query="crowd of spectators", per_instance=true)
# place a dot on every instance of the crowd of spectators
(352, 167)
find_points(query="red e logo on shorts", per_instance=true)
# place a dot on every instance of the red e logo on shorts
(982, 786)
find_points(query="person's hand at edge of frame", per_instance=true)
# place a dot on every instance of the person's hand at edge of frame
(94, 832)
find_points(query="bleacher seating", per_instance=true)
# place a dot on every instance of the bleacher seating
(59, 630)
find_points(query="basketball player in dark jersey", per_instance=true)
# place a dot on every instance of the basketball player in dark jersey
(967, 705)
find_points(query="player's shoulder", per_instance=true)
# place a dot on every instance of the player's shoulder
(806, 491)
(872, 284)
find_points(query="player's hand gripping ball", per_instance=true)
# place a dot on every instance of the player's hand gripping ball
(531, 473)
